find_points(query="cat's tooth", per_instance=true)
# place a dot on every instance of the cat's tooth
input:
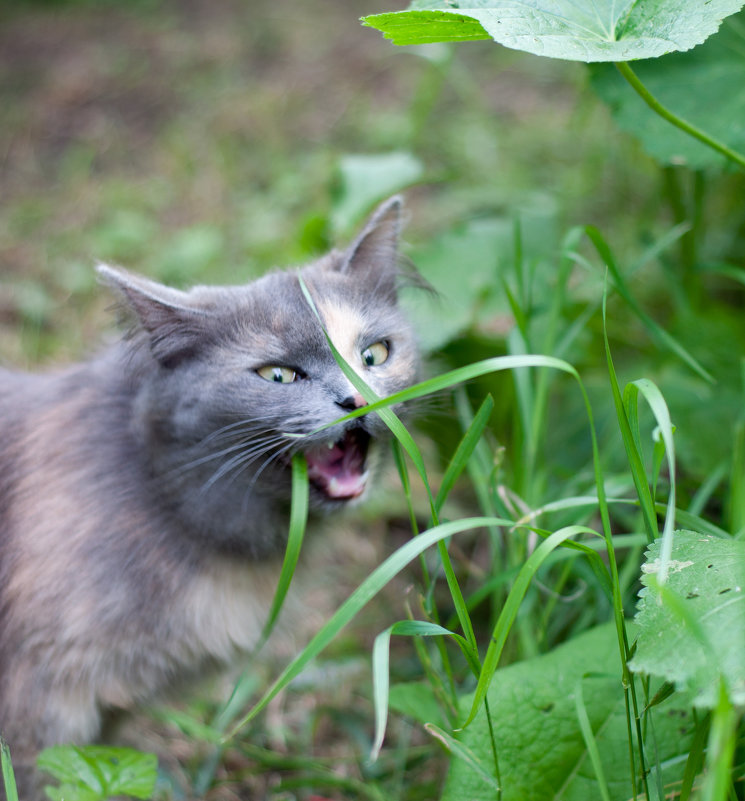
(330, 444)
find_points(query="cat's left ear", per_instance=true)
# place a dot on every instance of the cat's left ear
(374, 254)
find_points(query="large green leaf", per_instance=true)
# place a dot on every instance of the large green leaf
(578, 30)
(706, 87)
(542, 752)
(692, 632)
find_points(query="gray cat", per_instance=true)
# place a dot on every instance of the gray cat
(144, 494)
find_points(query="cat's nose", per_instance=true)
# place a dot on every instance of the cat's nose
(352, 402)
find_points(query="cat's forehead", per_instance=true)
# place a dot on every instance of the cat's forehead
(275, 317)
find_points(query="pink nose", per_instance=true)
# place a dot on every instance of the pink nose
(352, 402)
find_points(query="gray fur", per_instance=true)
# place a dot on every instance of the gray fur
(139, 539)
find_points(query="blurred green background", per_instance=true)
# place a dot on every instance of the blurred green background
(200, 141)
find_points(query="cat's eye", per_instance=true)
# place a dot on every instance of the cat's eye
(375, 354)
(278, 375)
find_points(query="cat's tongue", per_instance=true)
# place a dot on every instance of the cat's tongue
(339, 470)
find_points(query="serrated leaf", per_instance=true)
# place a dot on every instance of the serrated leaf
(692, 631)
(92, 772)
(577, 30)
(542, 752)
(705, 87)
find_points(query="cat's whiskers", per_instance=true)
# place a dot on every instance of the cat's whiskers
(245, 440)
(244, 458)
(256, 422)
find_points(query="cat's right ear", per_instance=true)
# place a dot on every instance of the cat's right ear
(175, 328)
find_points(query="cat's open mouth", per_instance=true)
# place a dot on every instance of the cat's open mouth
(338, 468)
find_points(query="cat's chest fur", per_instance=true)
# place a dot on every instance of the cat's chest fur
(144, 495)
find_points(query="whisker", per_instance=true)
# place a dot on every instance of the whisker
(240, 462)
(265, 441)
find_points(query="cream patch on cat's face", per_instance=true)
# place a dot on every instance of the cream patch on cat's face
(344, 324)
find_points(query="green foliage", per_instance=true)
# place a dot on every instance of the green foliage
(706, 87)
(592, 30)
(543, 752)
(95, 773)
(699, 612)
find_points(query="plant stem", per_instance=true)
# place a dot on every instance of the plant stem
(629, 74)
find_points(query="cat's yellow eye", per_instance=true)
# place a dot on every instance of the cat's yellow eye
(279, 375)
(375, 354)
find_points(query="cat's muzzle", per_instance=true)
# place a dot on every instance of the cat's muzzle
(338, 469)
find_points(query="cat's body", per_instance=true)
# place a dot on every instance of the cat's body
(144, 495)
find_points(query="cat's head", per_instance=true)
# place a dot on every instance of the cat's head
(234, 373)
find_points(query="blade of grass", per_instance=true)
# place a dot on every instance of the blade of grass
(298, 523)
(367, 590)
(381, 671)
(695, 757)
(460, 751)
(656, 331)
(721, 749)
(464, 451)
(736, 499)
(629, 436)
(510, 610)
(428, 598)
(386, 414)
(9, 781)
(589, 737)
(657, 404)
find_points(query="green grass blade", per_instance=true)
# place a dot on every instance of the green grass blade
(721, 750)
(656, 331)
(657, 404)
(454, 377)
(510, 610)
(736, 499)
(298, 523)
(457, 749)
(464, 451)
(590, 742)
(375, 582)
(695, 758)
(630, 437)
(386, 414)
(9, 780)
(381, 670)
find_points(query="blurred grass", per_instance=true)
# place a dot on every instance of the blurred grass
(199, 142)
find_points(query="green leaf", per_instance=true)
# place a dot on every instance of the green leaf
(542, 751)
(706, 87)
(578, 30)
(692, 630)
(93, 772)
